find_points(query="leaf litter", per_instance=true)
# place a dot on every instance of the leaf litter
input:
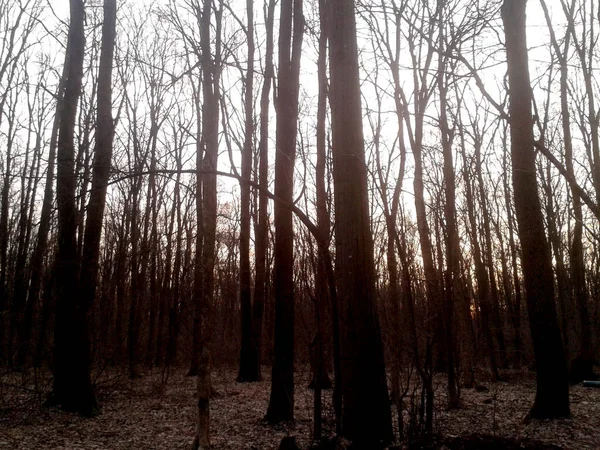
(158, 411)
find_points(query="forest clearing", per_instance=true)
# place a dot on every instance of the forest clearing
(158, 413)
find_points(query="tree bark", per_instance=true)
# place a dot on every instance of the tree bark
(248, 356)
(552, 395)
(281, 403)
(262, 227)
(207, 212)
(100, 169)
(72, 388)
(366, 410)
(452, 240)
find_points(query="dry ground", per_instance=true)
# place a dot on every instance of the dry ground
(154, 413)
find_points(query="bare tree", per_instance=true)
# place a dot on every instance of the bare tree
(552, 395)
(72, 387)
(366, 411)
(281, 402)
(206, 206)
(248, 355)
(584, 369)
(100, 170)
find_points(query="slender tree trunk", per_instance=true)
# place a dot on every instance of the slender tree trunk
(452, 273)
(248, 355)
(481, 274)
(281, 403)
(320, 377)
(195, 359)
(262, 227)
(100, 169)
(584, 360)
(562, 278)
(205, 257)
(133, 331)
(41, 245)
(5, 347)
(495, 322)
(166, 294)
(173, 282)
(516, 305)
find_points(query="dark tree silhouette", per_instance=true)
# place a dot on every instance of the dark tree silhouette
(281, 403)
(552, 395)
(366, 418)
(72, 387)
(248, 355)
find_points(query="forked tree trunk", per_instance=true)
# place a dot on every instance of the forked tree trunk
(72, 387)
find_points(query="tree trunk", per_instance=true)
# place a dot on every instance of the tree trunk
(584, 360)
(320, 377)
(262, 227)
(495, 322)
(481, 274)
(515, 312)
(366, 410)
(552, 395)
(248, 355)
(101, 168)
(452, 273)
(281, 403)
(205, 256)
(72, 388)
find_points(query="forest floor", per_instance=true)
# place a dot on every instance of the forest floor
(158, 412)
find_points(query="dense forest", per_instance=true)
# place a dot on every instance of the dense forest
(389, 207)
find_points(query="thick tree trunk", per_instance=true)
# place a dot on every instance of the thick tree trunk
(366, 410)
(552, 395)
(72, 388)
